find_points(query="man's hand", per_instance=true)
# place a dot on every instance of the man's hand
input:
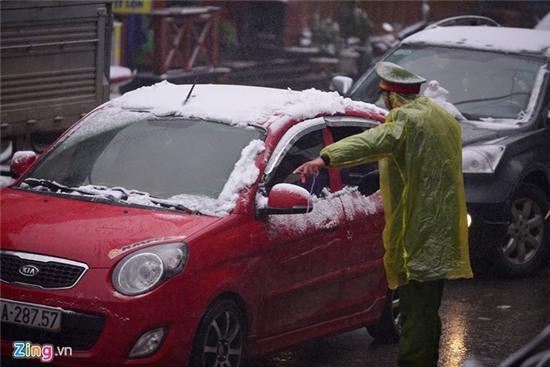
(311, 168)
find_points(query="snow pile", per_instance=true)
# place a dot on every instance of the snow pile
(310, 103)
(328, 212)
(292, 189)
(439, 95)
(436, 91)
(356, 204)
(237, 105)
(22, 155)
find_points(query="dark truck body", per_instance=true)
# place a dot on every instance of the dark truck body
(55, 67)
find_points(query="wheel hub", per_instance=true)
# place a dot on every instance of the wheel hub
(521, 228)
(222, 350)
(525, 231)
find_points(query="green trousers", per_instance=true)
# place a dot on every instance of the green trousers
(420, 323)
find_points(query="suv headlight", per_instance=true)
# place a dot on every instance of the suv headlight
(146, 269)
(482, 158)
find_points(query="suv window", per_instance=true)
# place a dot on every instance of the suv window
(365, 176)
(481, 84)
(306, 148)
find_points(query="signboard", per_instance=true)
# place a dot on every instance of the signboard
(132, 6)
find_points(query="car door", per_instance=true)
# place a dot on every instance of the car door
(364, 216)
(304, 272)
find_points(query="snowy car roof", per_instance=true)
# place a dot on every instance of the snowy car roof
(239, 105)
(503, 39)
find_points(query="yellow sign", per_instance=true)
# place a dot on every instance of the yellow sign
(132, 6)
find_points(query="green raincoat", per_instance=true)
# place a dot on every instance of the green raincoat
(420, 152)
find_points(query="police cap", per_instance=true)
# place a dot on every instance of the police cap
(395, 78)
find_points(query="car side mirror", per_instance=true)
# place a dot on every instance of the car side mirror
(21, 161)
(341, 84)
(287, 199)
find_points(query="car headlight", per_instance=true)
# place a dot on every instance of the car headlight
(144, 270)
(481, 159)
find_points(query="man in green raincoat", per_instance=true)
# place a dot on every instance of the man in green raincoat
(419, 150)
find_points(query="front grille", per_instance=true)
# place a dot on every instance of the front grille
(78, 331)
(53, 273)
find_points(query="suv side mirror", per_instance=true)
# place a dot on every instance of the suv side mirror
(341, 84)
(287, 199)
(21, 161)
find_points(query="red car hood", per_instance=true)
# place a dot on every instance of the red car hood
(93, 233)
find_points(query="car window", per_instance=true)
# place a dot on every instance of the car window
(482, 85)
(365, 177)
(306, 148)
(160, 156)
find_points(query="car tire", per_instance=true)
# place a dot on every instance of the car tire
(526, 244)
(220, 339)
(388, 328)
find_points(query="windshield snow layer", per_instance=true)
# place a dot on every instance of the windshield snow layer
(188, 161)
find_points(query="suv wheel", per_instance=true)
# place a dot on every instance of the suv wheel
(525, 246)
(388, 329)
(220, 338)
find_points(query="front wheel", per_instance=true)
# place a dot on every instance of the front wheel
(220, 338)
(525, 247)
(388, 328)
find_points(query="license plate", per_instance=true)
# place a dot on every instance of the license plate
(30, 315)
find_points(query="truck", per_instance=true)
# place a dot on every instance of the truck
(54, 68)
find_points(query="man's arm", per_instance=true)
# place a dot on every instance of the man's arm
(368, 146)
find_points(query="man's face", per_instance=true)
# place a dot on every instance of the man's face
(386, 97)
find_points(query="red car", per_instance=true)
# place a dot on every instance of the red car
(167, 228)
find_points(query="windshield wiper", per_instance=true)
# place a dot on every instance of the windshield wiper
(469, 116)
(170, 204)
(50, 185)
(162, 202)
(55, 187)
(490, 98)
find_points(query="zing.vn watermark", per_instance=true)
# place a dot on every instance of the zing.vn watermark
(45, 352)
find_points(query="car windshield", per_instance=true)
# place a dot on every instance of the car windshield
(160, 156)
(482, 85)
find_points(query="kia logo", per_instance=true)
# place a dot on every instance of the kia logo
(28, 270)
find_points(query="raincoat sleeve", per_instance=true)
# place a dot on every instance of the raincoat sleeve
(368, 146)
